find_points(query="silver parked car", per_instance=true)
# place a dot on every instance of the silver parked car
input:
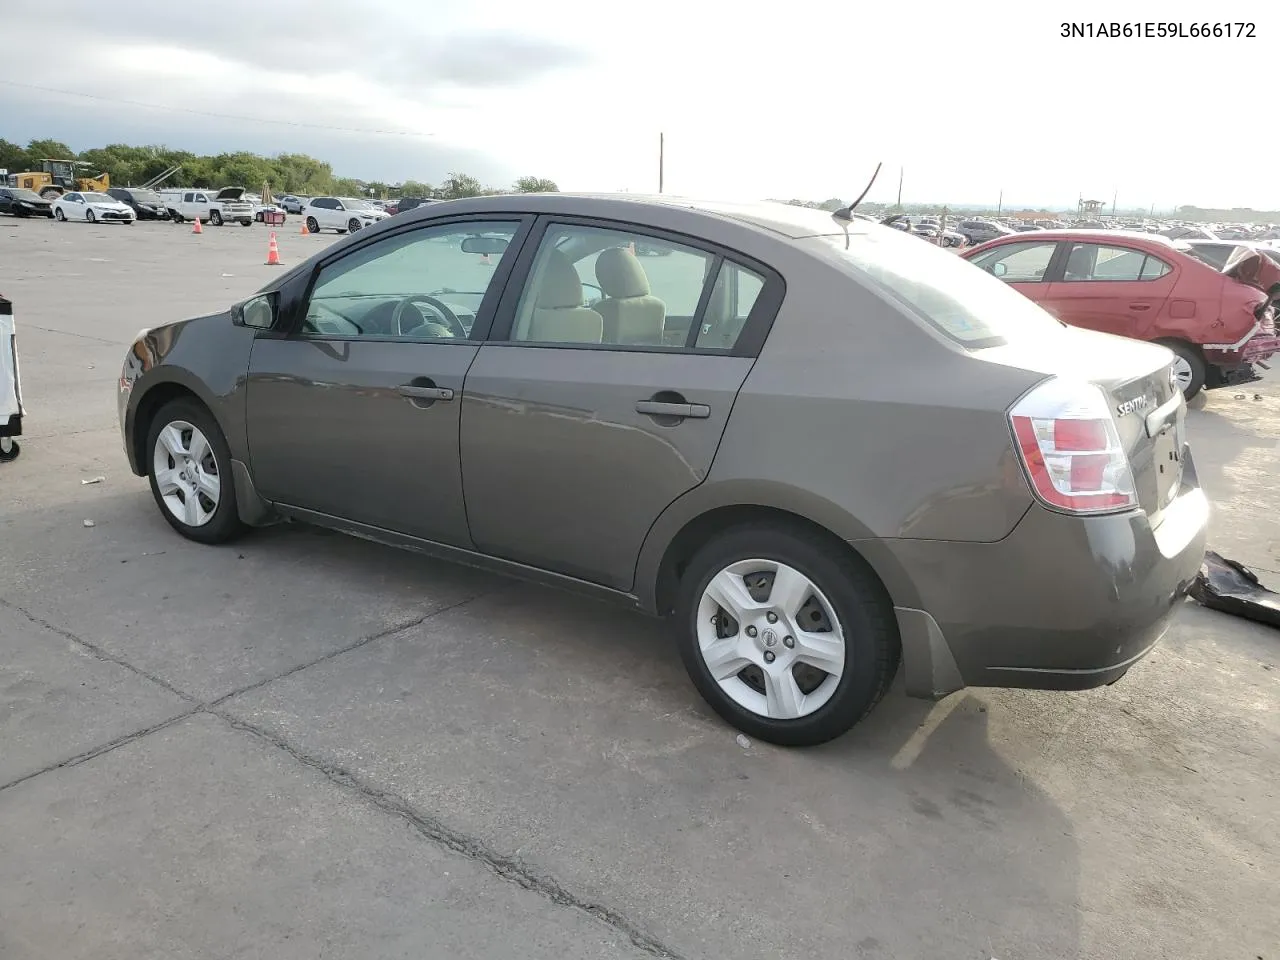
(821, 447)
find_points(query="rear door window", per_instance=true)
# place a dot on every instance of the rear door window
(1105, 263)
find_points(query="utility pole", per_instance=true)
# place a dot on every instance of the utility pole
(1114, 194)
(1000, 203)
(661, 159)
(900, 171)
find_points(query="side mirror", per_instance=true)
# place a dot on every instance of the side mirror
(999, 269)
(258, 313)
(485, 245)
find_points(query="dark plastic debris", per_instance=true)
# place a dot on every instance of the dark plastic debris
(1233, 588)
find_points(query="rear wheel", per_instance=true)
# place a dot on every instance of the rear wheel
(1188, 367)
(190, 473)
(9, 449)
(312, 225)
(786, 637)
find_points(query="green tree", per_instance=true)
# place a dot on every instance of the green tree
(13, 158)
(458, 185)
(415, 188)
(38, 150)
(536, 185)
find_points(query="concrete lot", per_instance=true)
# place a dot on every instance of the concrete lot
(303, 745)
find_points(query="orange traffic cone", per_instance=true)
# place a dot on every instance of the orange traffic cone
(197, 228)
(273, 252)
(304, 231)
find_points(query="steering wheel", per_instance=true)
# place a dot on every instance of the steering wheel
(456, 329)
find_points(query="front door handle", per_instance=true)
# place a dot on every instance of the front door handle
(657, 408)
(415, 392)
(1139, 306)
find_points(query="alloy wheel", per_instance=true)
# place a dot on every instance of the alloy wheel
(771, 639)
(186, 473)
(1182, 373)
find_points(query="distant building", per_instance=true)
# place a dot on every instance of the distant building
(1091, 208)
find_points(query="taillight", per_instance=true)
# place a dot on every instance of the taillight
(1070, 448)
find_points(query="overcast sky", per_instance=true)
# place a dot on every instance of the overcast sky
(757, 99)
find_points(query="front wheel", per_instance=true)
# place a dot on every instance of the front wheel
(312, 225)
(1188, 367)
(215, 219)
(787, 637)
(190, 473)
(353, 225)
(90, 216)
(59, 215)
(246, 223)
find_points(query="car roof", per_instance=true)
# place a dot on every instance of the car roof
(768, 215)
(1094, 234)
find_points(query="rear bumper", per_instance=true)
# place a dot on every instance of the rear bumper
(1062, 603)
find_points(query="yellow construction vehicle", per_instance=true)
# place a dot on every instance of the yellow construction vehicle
(57, 177)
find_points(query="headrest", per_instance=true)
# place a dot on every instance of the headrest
(620, 275)
(559, 286)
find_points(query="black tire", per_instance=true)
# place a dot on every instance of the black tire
(353, 225)
(91, 216)
(225, 524)
(175, 216)
(215, 219)
(312, 225)
(865, 612)
(246, 223)
(1195, 360)
(59, 215)
(11, 454)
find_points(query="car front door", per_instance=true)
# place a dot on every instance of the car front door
(1023, 264)
(353, 406)
(1110, 287)
(583, 418)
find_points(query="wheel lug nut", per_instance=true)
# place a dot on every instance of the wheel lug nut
(788, 642)
(769, 656)
(771, 617)
(751, 631)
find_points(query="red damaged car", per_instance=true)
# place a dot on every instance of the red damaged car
(1219, 323)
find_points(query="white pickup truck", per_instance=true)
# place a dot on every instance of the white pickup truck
(215, 207)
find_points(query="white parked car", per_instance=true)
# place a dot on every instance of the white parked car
(215, 207)
(344, 214)
(92, 207)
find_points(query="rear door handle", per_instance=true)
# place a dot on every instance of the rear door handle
(658, 408)
(1139, 306)
(425, 393)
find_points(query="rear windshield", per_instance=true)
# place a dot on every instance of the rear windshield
(960, 301)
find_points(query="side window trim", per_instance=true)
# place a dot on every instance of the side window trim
(704, 299)
(1142, 266)
(755, 330)
(296, 293)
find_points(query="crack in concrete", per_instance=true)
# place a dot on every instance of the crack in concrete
(99, 750)
(98, 651)
(389, 631)
(502, 866)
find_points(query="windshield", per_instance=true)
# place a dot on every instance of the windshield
(959, 300)
(98, 198)
(145, 196)
(20, 194)
(351, 203)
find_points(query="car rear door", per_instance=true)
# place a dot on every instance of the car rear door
(1112, 287)
(353, 405)
(582, 420)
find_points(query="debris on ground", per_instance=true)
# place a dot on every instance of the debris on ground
(94, 480)
(89, 523)
(743, 742)
(1231, 587)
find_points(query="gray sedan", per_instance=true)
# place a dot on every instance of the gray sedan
(822, 448)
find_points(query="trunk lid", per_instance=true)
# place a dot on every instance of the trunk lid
(1137, 378)
(1253, 267)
